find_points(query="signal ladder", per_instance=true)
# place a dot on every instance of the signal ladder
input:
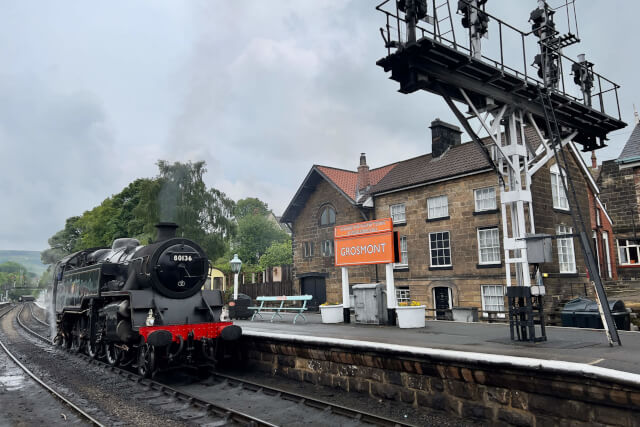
(553, 133)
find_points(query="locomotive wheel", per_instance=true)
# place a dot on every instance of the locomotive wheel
(146, 360)
(66, 341)
(113, 354)
(93, 349)
(76, 343)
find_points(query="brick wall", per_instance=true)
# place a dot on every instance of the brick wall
(619, 192)
(607, 264)
(464, 277)
(491, 393)
(307, 228)
(561, 287)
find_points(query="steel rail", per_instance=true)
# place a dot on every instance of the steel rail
(37, 319)
(313, 402)
(354, 414)
(52, 391)
(195, 401)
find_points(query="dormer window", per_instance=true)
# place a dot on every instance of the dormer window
(327, 216)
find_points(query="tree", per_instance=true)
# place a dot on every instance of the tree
(204, 215)
(255, 234)
(177, 194)
(250, 206)
(63, 242)
(279, 253)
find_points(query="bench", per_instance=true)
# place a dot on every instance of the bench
(270, 305)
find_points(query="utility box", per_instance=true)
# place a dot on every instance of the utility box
(539, 248)
(370, 303)
(465, 314)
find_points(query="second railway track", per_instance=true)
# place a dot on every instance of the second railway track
(269, 405)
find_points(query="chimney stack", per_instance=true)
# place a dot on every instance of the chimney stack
(165, 231)
(594, 161)
(443, 137)
(363, 176)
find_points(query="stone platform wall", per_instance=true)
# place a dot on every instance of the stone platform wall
(487, 391)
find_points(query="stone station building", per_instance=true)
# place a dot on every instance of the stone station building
(446, 208)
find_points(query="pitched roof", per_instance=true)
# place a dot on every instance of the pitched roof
(458, 160)
(347, 181)
(631, 150)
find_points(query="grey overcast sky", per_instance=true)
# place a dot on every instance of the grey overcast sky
(93, 93)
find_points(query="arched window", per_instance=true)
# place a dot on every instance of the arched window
(328, 216)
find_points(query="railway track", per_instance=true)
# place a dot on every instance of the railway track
(81, 413)
(285, 407)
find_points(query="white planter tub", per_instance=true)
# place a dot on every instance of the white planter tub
(411, 316)
(332, 313)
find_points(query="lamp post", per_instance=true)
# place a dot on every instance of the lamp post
(236, 264)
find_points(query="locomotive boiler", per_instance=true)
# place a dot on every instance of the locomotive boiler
(142, 305)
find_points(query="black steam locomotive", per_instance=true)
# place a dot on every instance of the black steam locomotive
(142, 305)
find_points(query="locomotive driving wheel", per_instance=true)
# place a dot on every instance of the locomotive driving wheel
(93, 349)
(146, 360)
(76, 343)
(113, 354)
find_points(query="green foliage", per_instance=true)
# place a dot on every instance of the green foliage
(255, 234)
(250, 206)
(204, 215)
(279, 253)
(116, 216)
(177, 194)
(13, 276)
(63, 242)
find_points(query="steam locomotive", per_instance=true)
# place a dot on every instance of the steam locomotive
(142, 306)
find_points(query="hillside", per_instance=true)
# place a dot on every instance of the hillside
(30, 259)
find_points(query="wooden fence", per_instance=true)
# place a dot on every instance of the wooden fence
(268, 287)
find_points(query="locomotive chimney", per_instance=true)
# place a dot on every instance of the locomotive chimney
(166, 231)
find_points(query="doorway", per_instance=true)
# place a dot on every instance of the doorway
(442, 302)
(316, 287)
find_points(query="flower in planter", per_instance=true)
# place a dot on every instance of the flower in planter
(325, 304)
(409, 304)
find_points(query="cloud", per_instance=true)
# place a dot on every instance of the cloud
(54, 154)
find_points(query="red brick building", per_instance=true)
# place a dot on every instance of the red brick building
(619, 181)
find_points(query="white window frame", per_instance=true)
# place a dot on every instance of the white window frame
(404, 253)
(594, 235)
(625, 260)
(308, 250)
(558, 194)
(495, 245)
(566, 252)
(328, 209)
(327, 248)
(398, 213)
(489, 291)
(447, 248)
(436, 208)
(484, 196)
(403, 294)
(607, 252)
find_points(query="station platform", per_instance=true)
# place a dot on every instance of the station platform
(582, 346)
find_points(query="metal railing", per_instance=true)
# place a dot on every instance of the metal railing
(512, 52)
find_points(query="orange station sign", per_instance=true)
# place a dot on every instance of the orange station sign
(369, 242)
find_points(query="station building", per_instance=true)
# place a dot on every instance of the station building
(446, 207)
